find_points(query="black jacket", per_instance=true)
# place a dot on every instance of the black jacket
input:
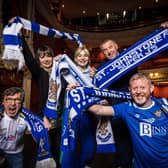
(40, 76)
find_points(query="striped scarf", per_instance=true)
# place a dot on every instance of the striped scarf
(40, 134)
(13, 42)
(140, 52)
(143, 50)
(67, 69)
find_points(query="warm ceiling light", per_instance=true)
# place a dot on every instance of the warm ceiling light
(107, 15)
(83, 11)
(139, 7)
(151, 75)
(156, 74)
(124, 13)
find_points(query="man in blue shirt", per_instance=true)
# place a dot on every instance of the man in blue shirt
(147, 121)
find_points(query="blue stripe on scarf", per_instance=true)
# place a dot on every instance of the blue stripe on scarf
(39, 133)
(35, 27)
(17, 20)
(106, 148)
(11, 40)
(51, 32)
(50, 113)
(63, 35)
(73, 37)
(104, 93)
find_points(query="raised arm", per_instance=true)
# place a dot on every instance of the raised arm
(31, 63)
(102, 110)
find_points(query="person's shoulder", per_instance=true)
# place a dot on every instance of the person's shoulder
(22, 115)
(161, 100)
(127, 104)
(124, 104)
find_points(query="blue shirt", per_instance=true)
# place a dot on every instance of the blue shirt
(149, 132)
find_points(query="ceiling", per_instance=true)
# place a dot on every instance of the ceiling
(78, 8)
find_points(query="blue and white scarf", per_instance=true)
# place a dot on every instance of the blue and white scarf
(13, 43)
(138, 53)
(135, 55)
(79, 100)
(145, 49)
(66, 68)
(110, 72)
(40, 134)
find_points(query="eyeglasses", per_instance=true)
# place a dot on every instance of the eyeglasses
(10, 100)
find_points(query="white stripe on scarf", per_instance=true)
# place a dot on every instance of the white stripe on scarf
(13, 43)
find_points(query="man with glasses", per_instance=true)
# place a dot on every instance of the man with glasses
(12, 127)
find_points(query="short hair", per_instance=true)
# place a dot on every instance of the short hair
(79, 49)
(140, 75)
(12, 91)
(44, 49)
(105, 41)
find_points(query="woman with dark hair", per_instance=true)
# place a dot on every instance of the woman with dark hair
(40, 68)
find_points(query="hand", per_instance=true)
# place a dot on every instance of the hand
(164, 24)
(12, 20)
(57, 57)
(92, 72)
(47, 123)
(72, 85)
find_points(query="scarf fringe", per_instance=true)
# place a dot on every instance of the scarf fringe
(13, 55)
(46, 163)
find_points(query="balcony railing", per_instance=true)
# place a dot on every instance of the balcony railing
(116, 21)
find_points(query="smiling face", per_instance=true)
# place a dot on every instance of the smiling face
(82, 60)
(12, 104)
(141, 89)
(45, 61)
(110, 49)
(44, 57)
(82, 57)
